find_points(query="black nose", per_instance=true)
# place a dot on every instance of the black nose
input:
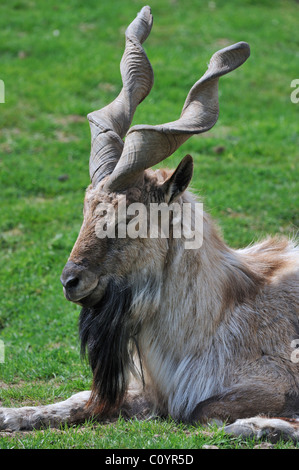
(78, 281)
(70, 283)
(71, 275)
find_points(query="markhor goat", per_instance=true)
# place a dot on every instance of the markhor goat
(199, 334)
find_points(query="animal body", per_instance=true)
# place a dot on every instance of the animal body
(201, 334)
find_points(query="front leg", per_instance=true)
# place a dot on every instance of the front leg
(74, 410)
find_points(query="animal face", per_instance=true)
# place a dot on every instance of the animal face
(106, 247)
(121, 234)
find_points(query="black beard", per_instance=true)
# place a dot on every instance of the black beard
(106, 335)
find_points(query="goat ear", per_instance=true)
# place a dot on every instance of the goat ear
(178, 182)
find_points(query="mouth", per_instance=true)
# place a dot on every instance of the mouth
(85, 301)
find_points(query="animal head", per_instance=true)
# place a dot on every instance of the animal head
(121, 174)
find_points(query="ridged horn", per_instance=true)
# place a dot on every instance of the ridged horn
(146, 145)
(110, 124)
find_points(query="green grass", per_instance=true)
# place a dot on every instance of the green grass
(155, 434)
(59, 61)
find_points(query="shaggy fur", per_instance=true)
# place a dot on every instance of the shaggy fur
(105, 333)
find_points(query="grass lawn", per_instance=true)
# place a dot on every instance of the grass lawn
(59, 60)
